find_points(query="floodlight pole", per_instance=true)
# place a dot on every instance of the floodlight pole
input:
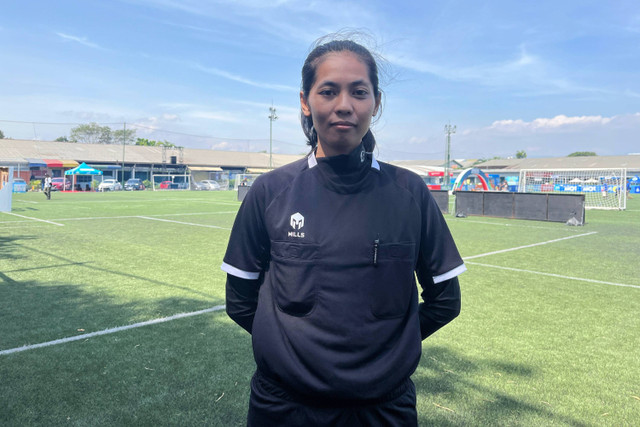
(124, 143)
(448, 129)
(272, 117)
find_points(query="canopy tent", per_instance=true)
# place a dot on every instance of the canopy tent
(82, 169)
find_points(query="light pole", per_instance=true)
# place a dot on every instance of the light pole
(272, 117)
(448, 129)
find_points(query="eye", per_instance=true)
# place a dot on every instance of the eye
(327, 92)
(360, 92)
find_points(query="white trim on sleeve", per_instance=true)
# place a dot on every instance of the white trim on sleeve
(249, 275)
(450, 274)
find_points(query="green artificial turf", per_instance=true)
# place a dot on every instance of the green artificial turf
(547, 335)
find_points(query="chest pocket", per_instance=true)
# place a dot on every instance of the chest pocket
(292, 268)
(392, 281)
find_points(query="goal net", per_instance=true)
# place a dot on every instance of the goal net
(171, 182)
(244, 179)
(602, 188)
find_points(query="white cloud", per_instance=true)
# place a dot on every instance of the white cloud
(560, 121)
(82, 40)
(240, 79)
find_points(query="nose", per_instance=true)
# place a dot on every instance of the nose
(343, 103)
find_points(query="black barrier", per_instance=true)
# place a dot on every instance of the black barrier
(498, 204)
(562, 204)
(442, 199)
(534, 206)
(469, 203)
(242, 192)
(530, 206)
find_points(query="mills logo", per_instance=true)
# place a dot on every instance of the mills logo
(297, 222)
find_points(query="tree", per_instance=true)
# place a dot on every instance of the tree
(582, 154)
(152, 143)
(61, 139)
(128, 135)
(521, 154)
(1, 135)
(91, 133)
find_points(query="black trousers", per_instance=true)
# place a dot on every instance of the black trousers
(270, 405)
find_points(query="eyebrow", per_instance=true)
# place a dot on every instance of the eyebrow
(334, 84)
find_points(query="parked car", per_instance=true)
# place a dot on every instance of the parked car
(133, 184)
(207, 185)
(110, 185)
(60, 184)
(165, 185)
(19, 185)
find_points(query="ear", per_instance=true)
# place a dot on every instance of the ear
(304, 105)
(378, 100)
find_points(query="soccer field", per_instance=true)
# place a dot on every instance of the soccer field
(111, 308)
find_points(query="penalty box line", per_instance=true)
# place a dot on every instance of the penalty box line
(528, 246)
(35, 219)
(111, 330)
(560, 276)
(184, 223)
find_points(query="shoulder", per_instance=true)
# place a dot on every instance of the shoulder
(273, 182)
(404, 178)
(283, 173)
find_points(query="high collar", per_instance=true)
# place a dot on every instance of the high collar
(346, 163)
(345, 173)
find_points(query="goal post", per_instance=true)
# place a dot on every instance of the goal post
(602, 188)
(171, 182)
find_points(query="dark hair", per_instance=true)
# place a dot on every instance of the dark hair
(309, 77)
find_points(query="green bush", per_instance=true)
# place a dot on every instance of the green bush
(35, 184)
(147, 184)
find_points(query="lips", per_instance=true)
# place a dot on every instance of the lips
(343, 125)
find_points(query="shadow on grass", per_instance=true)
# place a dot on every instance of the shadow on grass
(445, 375)
(9, 246)
(89, 265)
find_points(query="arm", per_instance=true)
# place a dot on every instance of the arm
(441, 305)
(242, 300)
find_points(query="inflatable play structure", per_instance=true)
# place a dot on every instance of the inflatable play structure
(481, 176)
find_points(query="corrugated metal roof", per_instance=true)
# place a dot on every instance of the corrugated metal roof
(631, 162)
(104, 153)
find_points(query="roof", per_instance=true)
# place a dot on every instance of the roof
(19, 151)
(631, 162)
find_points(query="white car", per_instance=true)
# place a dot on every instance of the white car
(207, 184)
(110, 185)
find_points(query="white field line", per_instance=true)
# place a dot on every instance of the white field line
(154, 200)
(111, 330)
(554, 275)
(36, 219)
(26, 201)
(528, 246)
(572, 229)
(184, 223)
(127, 216)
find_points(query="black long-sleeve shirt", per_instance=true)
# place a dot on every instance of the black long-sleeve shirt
(322, 265)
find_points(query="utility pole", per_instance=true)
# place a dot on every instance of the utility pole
(124, 143)
(448, 129)
(272, 117)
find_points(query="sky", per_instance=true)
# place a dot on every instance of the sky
(546, 77)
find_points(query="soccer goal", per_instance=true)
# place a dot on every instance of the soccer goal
(602, 188)
(171, 182)
(244, 180)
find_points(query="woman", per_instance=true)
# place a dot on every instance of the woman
(321, 264)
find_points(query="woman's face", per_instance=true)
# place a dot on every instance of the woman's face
(341, 103)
